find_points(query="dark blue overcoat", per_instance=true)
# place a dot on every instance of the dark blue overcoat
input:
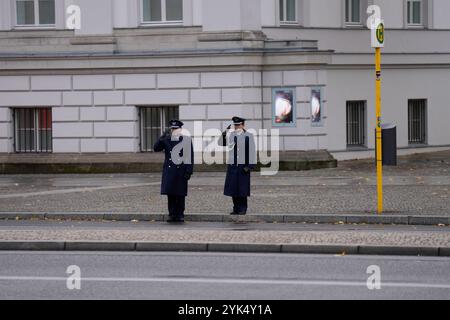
(237, 182)
(176, 167)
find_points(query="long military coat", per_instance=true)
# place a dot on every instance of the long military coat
(242, 155)
(176, 166)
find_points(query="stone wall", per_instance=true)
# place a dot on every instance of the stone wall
(99, 113)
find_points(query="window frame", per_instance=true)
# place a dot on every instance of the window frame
(284, 14)
(348, 12)
(36, 17)
(362, 132)
(410, 14)
(37, 134)
(163, 119)
(423, 116)
(164, 21)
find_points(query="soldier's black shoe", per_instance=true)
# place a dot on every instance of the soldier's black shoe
(171, 219)
(234, 213)
(176, 220)
(242, 213)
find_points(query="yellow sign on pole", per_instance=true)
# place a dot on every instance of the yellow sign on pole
(378, 43)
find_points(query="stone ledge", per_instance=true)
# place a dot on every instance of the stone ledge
(138, 163)
(92, 40)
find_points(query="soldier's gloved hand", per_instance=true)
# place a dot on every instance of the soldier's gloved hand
(187, 176)
(166, 134)
(246, 169)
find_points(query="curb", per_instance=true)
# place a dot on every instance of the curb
(253, 218)
(223, 247)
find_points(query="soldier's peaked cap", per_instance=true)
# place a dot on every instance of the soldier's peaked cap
(175, 124)
(238, 120)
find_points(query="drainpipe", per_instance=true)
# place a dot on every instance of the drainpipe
(262, 98)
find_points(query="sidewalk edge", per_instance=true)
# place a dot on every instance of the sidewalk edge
(71, 246)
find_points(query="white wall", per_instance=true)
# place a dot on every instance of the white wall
(98, 113)
(101, 15)
(231, 15)
(392, 12)
(323, 13)
(6, 130)
(441, 11)
(126, 13)
(96, 17)
(5, 15)
(398, 86)
(269, 9)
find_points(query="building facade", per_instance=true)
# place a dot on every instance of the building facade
(304, 67)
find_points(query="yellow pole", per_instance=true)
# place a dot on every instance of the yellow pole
(378, 133)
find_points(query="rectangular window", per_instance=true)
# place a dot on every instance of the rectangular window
(33, 130)
(288, 11)
(35, 12)
(154, 11)
(417, 110)
(154, 121)
(414, 12)
(353, 11)
(356, 123)
(46, 12)
(25, 12)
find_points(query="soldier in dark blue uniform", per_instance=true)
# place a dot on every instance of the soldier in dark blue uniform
(241, 161)
(178, 168)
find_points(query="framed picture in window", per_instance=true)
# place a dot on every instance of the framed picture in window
(316, 107)
(284, 109)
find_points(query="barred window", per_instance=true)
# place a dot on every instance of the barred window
(417, 111)
(154, 121)
(356, 123)
(33, 130)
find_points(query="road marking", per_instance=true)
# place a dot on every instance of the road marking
(75, 190)
(326, 283)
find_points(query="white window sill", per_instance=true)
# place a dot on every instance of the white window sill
(35, 27)
(289, 23)
(355, 25)
(162, 24)
(415, 26)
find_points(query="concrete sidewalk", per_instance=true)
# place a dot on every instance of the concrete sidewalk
(224, 237)
(418, 186)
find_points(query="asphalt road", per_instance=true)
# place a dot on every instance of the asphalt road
(205, 276)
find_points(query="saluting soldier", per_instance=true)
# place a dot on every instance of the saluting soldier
(241, 161)
(177, 170)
